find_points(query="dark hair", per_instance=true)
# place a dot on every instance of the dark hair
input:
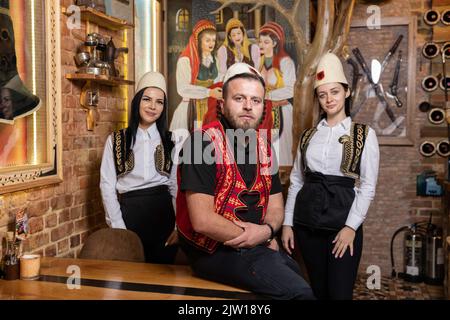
(230, 42)
(248, 76)
(199, 44)
(274, 39)
(161, 124)
(347, 105)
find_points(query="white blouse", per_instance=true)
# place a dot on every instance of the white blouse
(288, 70)
(184, 86)
(324, 154)
(143, 175)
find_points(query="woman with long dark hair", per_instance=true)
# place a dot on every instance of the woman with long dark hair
(325, 208)
(138, 178)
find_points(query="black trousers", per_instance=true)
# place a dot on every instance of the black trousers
(331, 278)
(261, 270)
(149, 213)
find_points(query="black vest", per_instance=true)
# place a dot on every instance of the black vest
(124, 165)
(353, 148)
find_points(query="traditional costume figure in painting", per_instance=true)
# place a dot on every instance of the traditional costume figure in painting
(197, 78)
(278, 70)
(237, 47)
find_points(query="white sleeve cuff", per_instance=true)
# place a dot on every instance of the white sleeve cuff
(354, 221)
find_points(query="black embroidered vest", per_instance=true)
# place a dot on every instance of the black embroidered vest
(353, 147)
(163, 163)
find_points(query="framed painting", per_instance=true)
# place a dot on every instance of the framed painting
(30, 91)
(386, 101)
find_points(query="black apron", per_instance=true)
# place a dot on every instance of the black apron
(324, 201)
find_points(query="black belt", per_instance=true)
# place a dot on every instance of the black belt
(324, 201)
(328, 181)
(153, 191)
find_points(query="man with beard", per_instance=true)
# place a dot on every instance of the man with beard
(229, 203)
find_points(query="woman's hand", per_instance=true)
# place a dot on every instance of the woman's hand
(273, 245)
(343, 240)
(287, 238)
(216, 93)
(173, 238)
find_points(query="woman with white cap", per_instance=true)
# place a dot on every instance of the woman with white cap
(324, 208)
(138, 178)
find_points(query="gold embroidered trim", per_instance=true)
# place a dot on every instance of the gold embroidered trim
(352, 149)
(161, 165)
(304, 142)
(123, 167)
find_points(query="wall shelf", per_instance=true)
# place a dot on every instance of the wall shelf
(101, 19)
(100, 79)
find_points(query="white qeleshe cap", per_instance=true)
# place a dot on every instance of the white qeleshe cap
(329, 70)
(152, 79)
(240, 68)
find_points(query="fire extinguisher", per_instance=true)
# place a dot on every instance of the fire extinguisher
(423, 253)
(413, 253)
(434, 262)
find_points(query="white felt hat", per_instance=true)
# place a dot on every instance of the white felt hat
(152, 79)
(329, 70)
(240, 68)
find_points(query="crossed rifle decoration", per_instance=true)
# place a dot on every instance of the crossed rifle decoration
(373, 77)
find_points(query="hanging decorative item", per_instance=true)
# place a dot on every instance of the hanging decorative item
(443, 148)
(430, 50)
(425, 106)
(427, 148)
(431, 17)
(430, 83)
(436, 116)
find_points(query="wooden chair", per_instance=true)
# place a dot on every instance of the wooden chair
(113, 244)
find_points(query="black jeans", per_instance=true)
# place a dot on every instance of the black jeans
(331, 278)
(149, 213)
(261, 270)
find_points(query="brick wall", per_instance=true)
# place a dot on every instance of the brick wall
(61, 216)
(396, 203)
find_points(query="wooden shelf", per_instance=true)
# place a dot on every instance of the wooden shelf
(101, 19)
(433, 131)
(103, 79)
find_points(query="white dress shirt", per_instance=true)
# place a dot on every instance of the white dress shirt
(324, 155)
(143, 175)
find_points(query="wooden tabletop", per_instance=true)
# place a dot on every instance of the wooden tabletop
(100, 279)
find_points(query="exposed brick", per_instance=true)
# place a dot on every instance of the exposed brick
(35, 241)
(62, 231)
(51, 220)
(36, 224)
(50, 251)
(63, 246)
(75, 241)
(64, 216)
(38, 208)
(63, 201)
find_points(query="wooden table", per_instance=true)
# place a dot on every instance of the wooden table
(100, 279)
